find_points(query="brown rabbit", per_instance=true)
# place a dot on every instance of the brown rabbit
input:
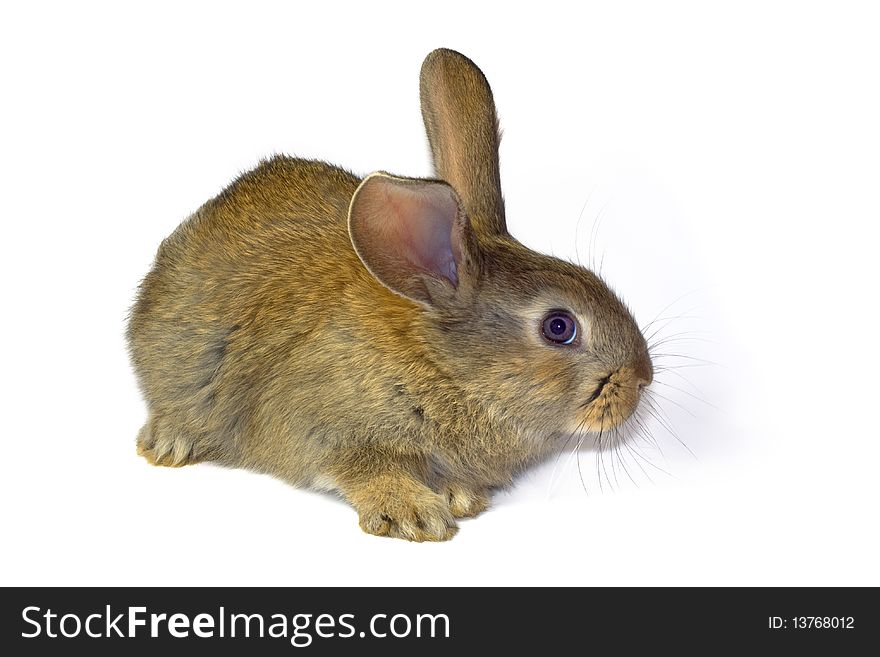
(384, 338)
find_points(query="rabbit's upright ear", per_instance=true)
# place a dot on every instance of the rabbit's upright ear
(412, 235)
(462, 126)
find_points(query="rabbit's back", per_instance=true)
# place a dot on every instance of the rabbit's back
(230, 291)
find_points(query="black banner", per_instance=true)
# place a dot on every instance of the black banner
(329, 621)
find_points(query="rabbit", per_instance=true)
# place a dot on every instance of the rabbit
(382, 338)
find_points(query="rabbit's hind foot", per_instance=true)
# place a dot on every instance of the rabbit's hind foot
(161, 443)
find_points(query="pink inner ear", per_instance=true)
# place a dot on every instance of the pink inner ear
(406, 230)
(427, 231)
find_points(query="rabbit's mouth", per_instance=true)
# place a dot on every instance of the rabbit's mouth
(615, 398)
(598, 391)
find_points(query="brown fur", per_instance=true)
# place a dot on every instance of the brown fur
(263, 339)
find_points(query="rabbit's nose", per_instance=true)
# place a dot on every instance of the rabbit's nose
(644, 371)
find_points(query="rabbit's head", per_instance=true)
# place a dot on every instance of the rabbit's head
(535, 340)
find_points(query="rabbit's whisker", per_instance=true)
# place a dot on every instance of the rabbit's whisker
(664, 421)
(658, 317)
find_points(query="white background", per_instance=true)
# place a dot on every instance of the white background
(723, 160)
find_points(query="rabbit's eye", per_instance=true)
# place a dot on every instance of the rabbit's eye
(559, 327)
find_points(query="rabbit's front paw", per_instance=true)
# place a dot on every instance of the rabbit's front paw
(403, 508)
(465, 502)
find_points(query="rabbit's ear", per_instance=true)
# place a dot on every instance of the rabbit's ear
(462, 127)
(410, 234)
